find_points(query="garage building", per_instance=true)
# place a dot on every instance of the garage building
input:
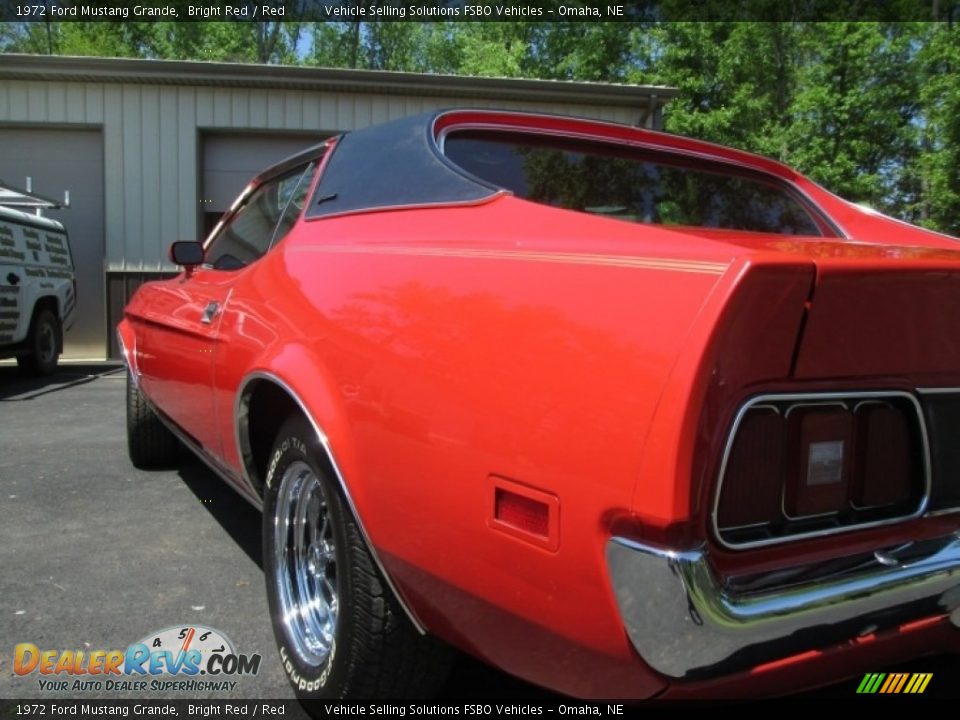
(152, 151)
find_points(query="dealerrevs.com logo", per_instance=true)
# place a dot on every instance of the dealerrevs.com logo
(187, 658)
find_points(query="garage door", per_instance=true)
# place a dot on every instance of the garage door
(230, 161)
(59, 160)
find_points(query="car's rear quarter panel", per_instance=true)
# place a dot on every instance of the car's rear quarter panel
(436, 348)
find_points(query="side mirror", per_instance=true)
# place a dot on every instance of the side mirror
(187, 253)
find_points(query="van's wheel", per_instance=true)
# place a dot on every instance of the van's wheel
(43, 342)
(339, 629)
(149, 443)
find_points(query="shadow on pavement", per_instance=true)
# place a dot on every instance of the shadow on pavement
(17, 387)
(234, 514)
(470, 678)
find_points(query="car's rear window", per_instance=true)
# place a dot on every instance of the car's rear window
(630, 184)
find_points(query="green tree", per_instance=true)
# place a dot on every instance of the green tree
(408, 47)
(736, 80)
(937, 204)
(494, 49)
(839, 101)
(596, 51)
(853, 122)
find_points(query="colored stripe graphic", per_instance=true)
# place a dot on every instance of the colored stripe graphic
(903, 680)
(894, 683)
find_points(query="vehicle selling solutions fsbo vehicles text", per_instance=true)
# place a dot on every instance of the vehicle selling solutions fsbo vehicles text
(467, 11)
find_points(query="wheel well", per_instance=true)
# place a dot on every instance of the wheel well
(263, 407)
(47, 301)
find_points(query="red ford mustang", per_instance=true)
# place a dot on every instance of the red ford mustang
(621, 413)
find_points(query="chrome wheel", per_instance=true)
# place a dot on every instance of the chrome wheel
(305, 559)
(340, 631)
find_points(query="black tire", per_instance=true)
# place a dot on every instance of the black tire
(44, 341)
(359, 644)
(149, 443)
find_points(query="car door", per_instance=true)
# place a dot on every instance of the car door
(183, 331)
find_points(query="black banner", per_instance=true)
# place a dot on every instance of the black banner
(294, 710)
(477, 10)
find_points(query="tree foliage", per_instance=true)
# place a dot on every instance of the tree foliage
(869, 109)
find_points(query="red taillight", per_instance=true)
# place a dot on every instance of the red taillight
(818, 477)
(751, 489)
(885, 469)
(808, 465)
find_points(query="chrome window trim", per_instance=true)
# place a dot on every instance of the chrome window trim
(325, 443)
(820, 398)
(413, 206)
(319, 151)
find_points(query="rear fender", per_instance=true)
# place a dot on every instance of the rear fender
(302, 376)
(746, 332)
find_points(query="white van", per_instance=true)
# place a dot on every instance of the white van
(38, 292)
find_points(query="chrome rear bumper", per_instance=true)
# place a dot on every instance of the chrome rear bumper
(686, 623)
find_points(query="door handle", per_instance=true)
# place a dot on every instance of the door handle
(210, 312)
(13, 279)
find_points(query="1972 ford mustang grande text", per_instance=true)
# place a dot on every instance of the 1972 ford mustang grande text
(622, 413)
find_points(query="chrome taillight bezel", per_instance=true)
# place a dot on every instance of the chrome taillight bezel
(818, 399)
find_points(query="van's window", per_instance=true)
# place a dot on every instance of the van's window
(630, 184)
(265, 217)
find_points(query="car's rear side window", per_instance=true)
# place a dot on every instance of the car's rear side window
(631, 184)
(261, 222)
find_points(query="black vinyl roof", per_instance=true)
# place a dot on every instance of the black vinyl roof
(396, 164)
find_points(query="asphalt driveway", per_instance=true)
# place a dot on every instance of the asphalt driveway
(96, 555)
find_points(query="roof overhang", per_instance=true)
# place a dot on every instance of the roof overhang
(16, 197)
(219, 74)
